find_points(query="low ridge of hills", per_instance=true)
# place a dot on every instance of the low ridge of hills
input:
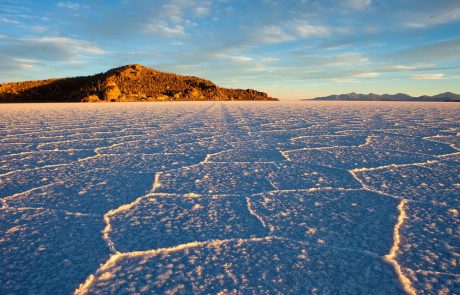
(442, 97)
(127, 83)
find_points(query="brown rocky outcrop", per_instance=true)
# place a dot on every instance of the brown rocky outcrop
(127, 83)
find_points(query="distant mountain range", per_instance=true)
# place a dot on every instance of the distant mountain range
(446, 97)
(127, 83)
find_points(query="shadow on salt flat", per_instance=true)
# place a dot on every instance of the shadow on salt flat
(22, 181)
(95, 192)
(52, 252)
(30, 160)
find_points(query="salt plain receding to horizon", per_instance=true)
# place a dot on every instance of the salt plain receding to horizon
(209, 197)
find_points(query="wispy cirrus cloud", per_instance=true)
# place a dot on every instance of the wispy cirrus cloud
(47, 48)
(6, 20)
(359, 5)
(174, 18)
(432, 52)
(164, 28)
(70, 5)
(367, 75)
(291, 30)
(234, 58)
(202, 10)
(434, 18)
(437, 76)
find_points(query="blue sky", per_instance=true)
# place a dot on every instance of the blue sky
(291, 49)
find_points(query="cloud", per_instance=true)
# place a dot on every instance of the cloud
(47, 48)
(163, 28)
(367, 75)
(24, 63)
(174, 18)
(291, 30)
(343, 60)
(6, 20)
(305, 30)
(233, 58)
(344, 80)
(69, 5)
(441, 51)
(275, 34)
(434, 18)
(427, 76)
(202, 10)
(403, 68)
(39, 29)
(359, 5)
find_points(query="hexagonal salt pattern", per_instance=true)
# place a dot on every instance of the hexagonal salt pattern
(209, 197)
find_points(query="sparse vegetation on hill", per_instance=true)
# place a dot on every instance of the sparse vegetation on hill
(127, 83)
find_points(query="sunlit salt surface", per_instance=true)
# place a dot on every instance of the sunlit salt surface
(209, 197)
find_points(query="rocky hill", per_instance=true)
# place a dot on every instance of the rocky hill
(447, 96)
(127, 83)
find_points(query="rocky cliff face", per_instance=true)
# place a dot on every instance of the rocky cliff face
(127, 83)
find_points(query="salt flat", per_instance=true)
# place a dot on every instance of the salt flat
(247, 197)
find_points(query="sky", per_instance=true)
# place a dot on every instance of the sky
(292, 49)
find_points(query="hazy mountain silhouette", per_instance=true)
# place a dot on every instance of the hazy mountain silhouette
(447, 96)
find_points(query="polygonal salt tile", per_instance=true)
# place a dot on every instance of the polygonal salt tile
(256, 266)
(430, 238)
(142, 163)
(47, 252)
(80, 144)
(455, 157)
(21, 181)
(160, 221)
(247, 155)
(346, 219)
(291, 175)
(217, 179)
(453, 140)
(284, 136)
(96, 191)
(433, 283)
(38, 137)
(406, 144)
(202, 147)
(15, 148)
(185, 137)
(433, 182)
(147, 146)
(320, 141)
(356, 157)
(32, 160)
